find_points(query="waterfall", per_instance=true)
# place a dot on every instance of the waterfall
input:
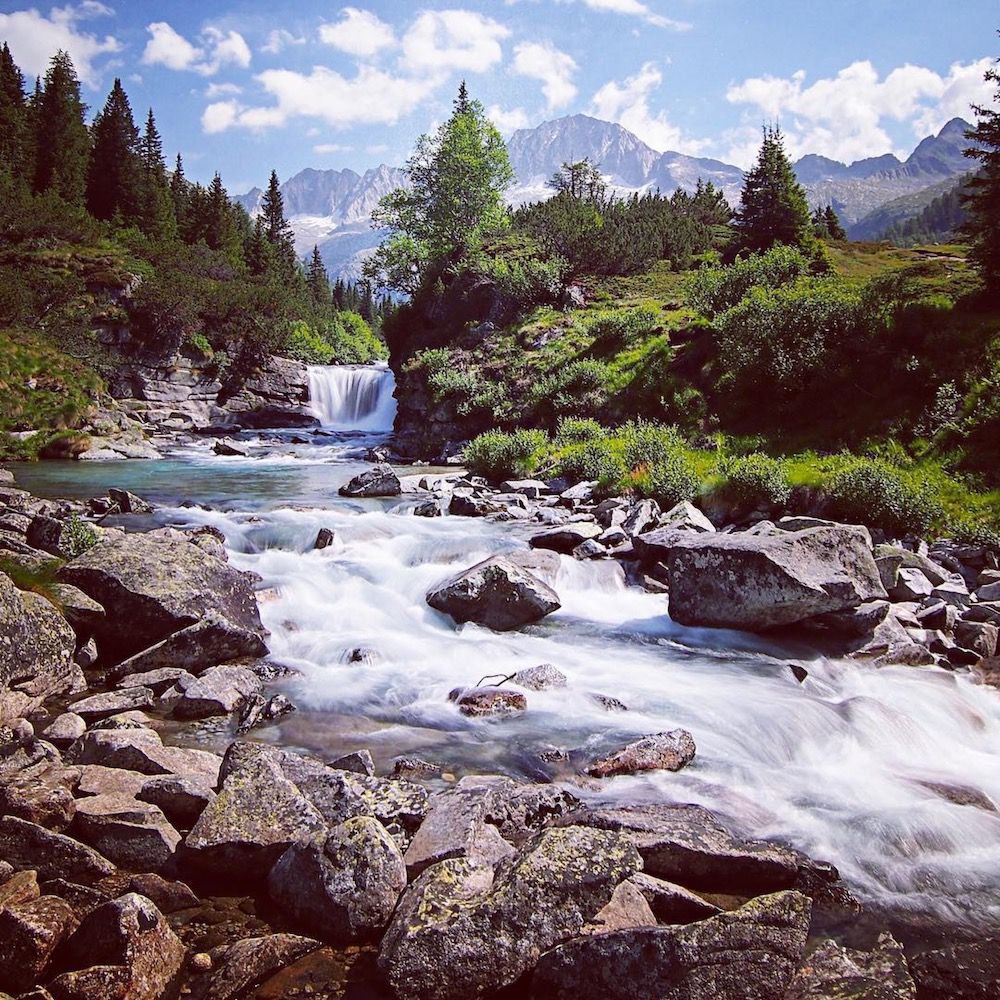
(353, 397)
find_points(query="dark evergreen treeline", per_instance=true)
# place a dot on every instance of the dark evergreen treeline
(212, 276)
(938, 221)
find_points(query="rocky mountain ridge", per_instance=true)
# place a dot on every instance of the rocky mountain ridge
(332, 208)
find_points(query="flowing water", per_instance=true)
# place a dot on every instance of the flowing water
(840, 765)
(353, 397)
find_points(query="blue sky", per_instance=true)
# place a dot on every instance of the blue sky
(244, 87)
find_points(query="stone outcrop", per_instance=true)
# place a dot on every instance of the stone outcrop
(762, 580)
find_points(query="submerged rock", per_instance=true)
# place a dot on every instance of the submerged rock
(496, 593)
(749, 954)
(668, 751)
(760, 581)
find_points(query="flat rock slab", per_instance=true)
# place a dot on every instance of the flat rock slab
(668, 751)
(249, 962)
(102, 706)
(134, 835)
(759, 581)
(566, 537)
(52, 855)
(142, 750)
(749, 954)
(218, 691)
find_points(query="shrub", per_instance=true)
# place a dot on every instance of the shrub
(755, 482)
(615, 330)
(78, 538)
(668, 481)
(595, 460)
(713, 290)
(646, 444)
(579, 389)
(497, 455)
(308, 345)
(578, 430)
(353, 341)
(875, 493)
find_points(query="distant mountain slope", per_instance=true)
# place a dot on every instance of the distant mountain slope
(907, 206)
(332, 208)
(938, 222)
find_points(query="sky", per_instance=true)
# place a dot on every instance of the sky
(242, 88)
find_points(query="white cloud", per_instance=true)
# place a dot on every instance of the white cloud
(635, 8)
(358, 32)
(376, 148)
(370, 97)
(507, 121)
(328, 148)
(166, 47)
(34, 38)
(441, 41)
(628, 104)
(214, 90)
(543, 61)
(844, 116)
(280, 39)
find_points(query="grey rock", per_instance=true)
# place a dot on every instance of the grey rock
(343, 885)
(668, 751)
(158, 586)
(464, 504)
(626, 909)
(489, 702)
(324, 538)
(36, 652)
(126, 949)
(832, 971)
(565, 538)
(590, 549)
(763, 581)
(134, 835)
(182, 800)
(142, 750)
(259, 710)
(81, 611)
(979, 637)
(42, 793)
(52, 855)
(544, 677)
(379, 481)
(962, 971)
(672, 903)
(102, 706)
(129, 503)
(713, 958)
(358, 761)
(251, 961)
(462, 931)
(497, 593)
(218, 691)
(641, 517)
(30, 933)
(64, 730)
(156, 680)
(211, 641)
(229, 449)
(427, 508)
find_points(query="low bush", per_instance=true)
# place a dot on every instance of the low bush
(614, 330)
(497, 455)
(579, 430)
(755, 482)
(308, 345)
(597, 460)
(579, 389)
(880, 495)
(669, 480)
(649, 444)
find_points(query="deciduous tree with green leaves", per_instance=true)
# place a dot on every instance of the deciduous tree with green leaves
(773, 207)
(982, 197)
(458, 178)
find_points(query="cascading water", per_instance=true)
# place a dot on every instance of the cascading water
(353, 397)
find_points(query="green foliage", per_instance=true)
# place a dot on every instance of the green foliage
(595, 460)
(755, 482)
(578, 430)
(621, 328)
(773, 206)
(579, 389)
(714, 289)
(352, 340)
(454, 200)
(982, 203)
(524, 276)
(669, 481)
(114, 175)
(308, 345)
(61, 140)
(496, 455)
(875, 493)
(78, 537)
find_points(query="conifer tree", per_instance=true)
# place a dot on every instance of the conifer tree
(15, 146)
(113, 177)
(218, 227)
(317, 280)
(773, 206)
(982, 197)
(156, 210)
(833, 224)
(257, 250)
(62, 142)
(179, 194)
(276, 227)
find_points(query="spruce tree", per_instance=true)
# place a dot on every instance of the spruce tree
(317, 280)
(62, 142)
(156, 210)
(773, 207)
(257, 250)
(982, 197)
(276, 227)
(179, 194)
(14, 135)
(833, 224)
(114, 177)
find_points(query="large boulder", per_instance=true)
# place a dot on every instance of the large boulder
(141, 750)
(759, 581)
(961, 971)
(379, 481)
(342, 885)
(463, 930)
(29, 936)
(669, 751)
(36, 651)
(749, 954)
(832, 972)
(123, 949)
(565, 538)
(156, 586)
(497, 593)
(134, 835)
(251, 961)
(26, 846)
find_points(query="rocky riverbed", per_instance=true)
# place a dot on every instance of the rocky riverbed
(155, 838)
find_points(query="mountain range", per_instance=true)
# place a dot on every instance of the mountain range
(331, 208)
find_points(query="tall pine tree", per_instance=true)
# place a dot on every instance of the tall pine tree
(180, 195)
(982, 197)
(773, 207)
(62, 142)
(317, 280)
(276, 227)
(15, 145)
(114, 177)
(156, 210)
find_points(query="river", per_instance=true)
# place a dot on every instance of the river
(838, 765)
